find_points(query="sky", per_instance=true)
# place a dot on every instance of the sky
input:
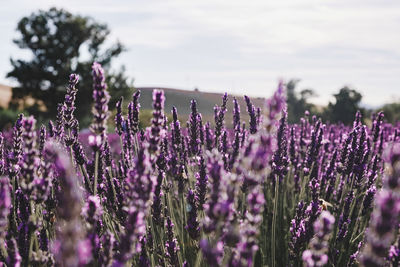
(242, 47)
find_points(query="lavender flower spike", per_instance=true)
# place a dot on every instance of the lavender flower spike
(5, 204)
(316, 255)
(192, 223)
(133, 112)
(69, 102)
(2, 159)
(252, 113)
(157, 121)
(70, 232)
(30, 160)
(119, 118)
(385, 217)
(101, 98)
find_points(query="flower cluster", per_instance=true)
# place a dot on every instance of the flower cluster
(260, 193)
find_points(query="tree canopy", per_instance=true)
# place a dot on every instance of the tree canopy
(62, 43)
(345, 107)
(392, 112)
(297, 105)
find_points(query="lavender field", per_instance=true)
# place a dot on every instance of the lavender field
(260, 193)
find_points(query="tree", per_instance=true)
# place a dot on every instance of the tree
(345, 108)
(297, 105)
(63, 43)
(392, 112)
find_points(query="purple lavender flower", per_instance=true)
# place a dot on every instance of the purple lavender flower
(209, 136)
(134, 228)
(15, 156)
(101, 98)
(252, 113)
(219, 116)
(78, 153)
(176, 130)
(201, 184)
(344, 217)
(171, 245)
(60, 123)
(275, 104)
(297, 231)
(133, 112)
(249, 230)
(236, 114)
(394, 254)
(42, 139)
(2, 159)
(157, 201)
(213, 255)
(192, 224)
(368, 199)
(213, 208)
(92, 212)
(157, 121)
(280, 158)
(14, 258)
(316, 255)
(5, 205)
(70, 233)
(194, 130)
(235, 149)
(107, 242)
(119, 118)
(143, 258)
(330, 177)
(384, 218)
(52, 129)
(31, 159)
(69, 102)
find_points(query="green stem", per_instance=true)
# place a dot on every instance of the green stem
(85, 175)
(183, 226)
(274, 223)
(112, 183)
(122, 148)
(31, 233)
(96, 170)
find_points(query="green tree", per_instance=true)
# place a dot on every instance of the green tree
(62, 43)
(345, 107)
(297, 103)
(392, 112)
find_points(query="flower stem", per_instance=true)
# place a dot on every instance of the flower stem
(273, 244)
(96, 170)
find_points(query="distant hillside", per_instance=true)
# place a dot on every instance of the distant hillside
(5, 95)
(205, 102)
(178, 98)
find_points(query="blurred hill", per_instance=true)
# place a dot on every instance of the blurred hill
(5, 95)
(205, 103)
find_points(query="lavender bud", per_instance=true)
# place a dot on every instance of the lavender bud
(252, 113)
(119, 118)
(133, 112)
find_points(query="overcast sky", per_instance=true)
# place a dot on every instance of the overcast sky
(243, 47)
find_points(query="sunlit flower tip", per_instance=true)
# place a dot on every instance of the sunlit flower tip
(95, 141)
(73, 78)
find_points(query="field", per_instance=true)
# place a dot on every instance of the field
(238, 186)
